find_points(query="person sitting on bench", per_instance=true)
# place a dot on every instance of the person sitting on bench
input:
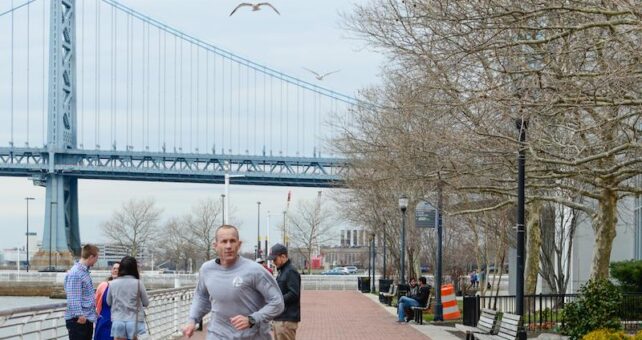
(420, 299)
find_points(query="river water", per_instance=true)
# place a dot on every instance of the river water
(8, 302)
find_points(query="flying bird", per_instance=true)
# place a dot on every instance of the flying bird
(320, 76)
(255, 6)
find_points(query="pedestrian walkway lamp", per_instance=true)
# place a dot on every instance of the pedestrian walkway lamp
(28, 199)
(384, 251)
(521, 125)
(439, 312)
(258, 230)
(403, 205)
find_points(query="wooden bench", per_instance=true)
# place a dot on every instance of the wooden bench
(418, 312)
(386, 297)
(486, 324)
(508, 328)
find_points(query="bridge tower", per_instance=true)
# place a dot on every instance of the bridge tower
(61, 237)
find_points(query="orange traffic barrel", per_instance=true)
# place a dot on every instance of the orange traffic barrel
(449, 302)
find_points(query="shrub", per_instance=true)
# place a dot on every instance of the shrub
(628, 274)
(605, 334)
(595, 308)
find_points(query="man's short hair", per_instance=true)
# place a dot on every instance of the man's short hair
(88, 250)
(226, 226)
(422, 280)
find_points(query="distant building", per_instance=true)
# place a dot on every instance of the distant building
(110, 253)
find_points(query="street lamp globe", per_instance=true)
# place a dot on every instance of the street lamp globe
(403, 202)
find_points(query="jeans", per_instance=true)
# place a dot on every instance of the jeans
(405, 302)
(79, 331)
(127, 329)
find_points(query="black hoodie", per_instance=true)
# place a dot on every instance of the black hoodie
(289, 281)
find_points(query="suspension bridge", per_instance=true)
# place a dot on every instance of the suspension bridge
(96, 90)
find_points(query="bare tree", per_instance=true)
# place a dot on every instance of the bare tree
(134, 226)
(173, 245)
(311, 225)
(201, 225)
(469, 71)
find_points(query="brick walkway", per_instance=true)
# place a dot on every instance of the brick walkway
(347, 315)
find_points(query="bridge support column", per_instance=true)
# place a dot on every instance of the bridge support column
(61, 236)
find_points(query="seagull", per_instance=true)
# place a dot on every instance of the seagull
(255, 6)
(320, 76)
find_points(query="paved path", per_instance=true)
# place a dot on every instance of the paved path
(353, 315)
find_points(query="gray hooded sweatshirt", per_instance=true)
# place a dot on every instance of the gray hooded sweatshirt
(245, 288)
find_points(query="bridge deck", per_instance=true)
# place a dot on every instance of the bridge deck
(346, 315)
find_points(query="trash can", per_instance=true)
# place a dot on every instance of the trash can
(402, 290)
(384, 287)
(363, 284)
(471, 310)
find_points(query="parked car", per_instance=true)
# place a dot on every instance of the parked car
(352, 269)
(337, 271)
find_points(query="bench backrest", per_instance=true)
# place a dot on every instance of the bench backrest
(508, 326)
(487, 320)
(391, 289)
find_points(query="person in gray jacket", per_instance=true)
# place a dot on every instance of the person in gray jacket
(242, 296)
(127, 297)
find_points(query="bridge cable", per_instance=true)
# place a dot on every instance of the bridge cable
(97, 66)
(223, 127)
(12, 57)
(281, 134)
(191, 96)
(207, 101)
(28, 65)
(255, 112)
(231, 105)
(112, 86)
(238, 110)
(271, 113)
(147, 85)
(180, 141)
(13, 9)
(44, 58)
(164, 81)
(175, 85)
(81, 89)
(142, 84)
(247, 110)
(214, 103)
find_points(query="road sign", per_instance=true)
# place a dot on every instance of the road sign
(425, 215)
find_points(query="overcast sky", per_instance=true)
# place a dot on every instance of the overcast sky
(306, 34)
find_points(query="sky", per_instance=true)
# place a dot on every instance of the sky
(306, 34)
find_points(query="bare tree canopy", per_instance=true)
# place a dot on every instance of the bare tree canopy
(462, 72)
(311, 225)
(134, 226)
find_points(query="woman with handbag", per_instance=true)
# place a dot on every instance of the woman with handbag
(103, 323)
(127, 297)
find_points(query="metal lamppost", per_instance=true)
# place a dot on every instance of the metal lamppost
(403, 205)
(28, 199)
(439, 315)
(521, 125)
(384, 251)
(374, 261)
(223, 208)
(258, 229)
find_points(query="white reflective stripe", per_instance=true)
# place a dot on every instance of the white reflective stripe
(447, 298)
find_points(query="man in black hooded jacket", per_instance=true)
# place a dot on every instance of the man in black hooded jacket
(289, 281)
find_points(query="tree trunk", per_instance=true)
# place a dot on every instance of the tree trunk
(534, 242)
(604, 224)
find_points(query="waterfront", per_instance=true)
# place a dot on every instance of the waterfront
(9, 302)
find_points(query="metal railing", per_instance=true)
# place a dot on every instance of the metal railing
(543, 312)
(167, 312)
